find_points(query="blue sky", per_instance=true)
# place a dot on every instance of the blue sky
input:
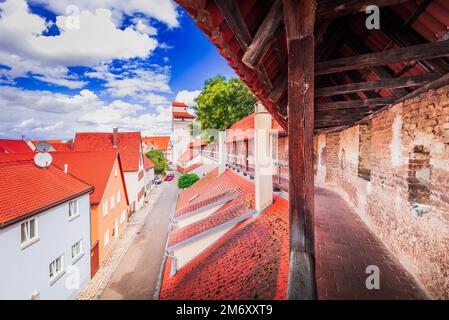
(91, 65)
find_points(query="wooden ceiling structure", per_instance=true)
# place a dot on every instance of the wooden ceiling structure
(316, 67)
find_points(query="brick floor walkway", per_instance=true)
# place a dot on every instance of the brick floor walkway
(98, 283)
(345, 247)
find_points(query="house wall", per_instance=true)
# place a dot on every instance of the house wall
(395, 173)
(181, 138)
(149, 177)
(100, 225)
(24, 271)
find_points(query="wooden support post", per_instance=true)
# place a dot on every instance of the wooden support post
(299, 23)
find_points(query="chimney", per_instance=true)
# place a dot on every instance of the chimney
(221, 152)
(115, 138)
(70, 144)
(263, 158)
(66, 168)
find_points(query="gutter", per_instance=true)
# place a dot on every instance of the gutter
(50, 206)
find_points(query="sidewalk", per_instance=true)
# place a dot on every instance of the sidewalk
(98, 283)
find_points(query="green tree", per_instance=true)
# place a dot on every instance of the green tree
(186, 180)
(158, 158)
(221, 103)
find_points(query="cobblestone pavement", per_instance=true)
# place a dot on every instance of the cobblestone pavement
(99, 282)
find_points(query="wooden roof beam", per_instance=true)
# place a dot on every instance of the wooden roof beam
(418, 52)
(375, 85)
(267, 30)
(351, 104)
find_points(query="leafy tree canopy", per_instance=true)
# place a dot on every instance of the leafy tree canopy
(186, 180)
(158, 158)
(222, 103)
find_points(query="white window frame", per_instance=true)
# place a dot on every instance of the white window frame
(123, 216)
(29, 241)
(77, 211)
(112, 200)
(105, 208)
(106, 238)
(56, 273)
(118, 197)
(80, 253)
(116, 172)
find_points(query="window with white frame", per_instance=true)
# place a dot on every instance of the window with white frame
(28, 231)
(106, 238)
(118, 196)
(73, 208)
(123, 216)
(116, 172)
(56, 267)
(77, 250)
(105, 208)
(112, 202)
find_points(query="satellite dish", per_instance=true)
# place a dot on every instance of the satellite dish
(43, 160)
(43, 146)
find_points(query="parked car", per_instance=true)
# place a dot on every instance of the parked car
(157, 180)
(169, 177)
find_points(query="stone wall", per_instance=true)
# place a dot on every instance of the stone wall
(394, 170)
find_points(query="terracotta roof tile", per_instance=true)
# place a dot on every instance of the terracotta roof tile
(244, 129)
(229, 211)
(159, 142)
(26, 188)
(189, 169)
(249, 262)
(147, 163)
(179, 104)
(177, 114)
(14, 146)
(129, 145)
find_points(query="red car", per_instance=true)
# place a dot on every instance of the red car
(169, 177)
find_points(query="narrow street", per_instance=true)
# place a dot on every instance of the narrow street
(137, 274)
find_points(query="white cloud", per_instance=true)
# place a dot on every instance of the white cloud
(56, 115)
(162, 10)
(24, 48)
(188, 97)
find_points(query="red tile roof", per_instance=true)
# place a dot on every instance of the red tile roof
(179, 104)
(188, 155)
(28, 189)
(62, 146)
(198, 143)
(189, 169)
(147, 163)
(159, 142)
(95, 168)
(177, 114)
(249, 262)
(129, 145)
(244, 129)
(14, 146)
(229, 211)
(202, 199)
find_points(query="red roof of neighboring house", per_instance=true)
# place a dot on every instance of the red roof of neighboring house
(28, 189)
(129, 145)
(250, 262)
(147, 163)
(159, 142)
(49, 141)
(189, 169)
(95, 168)
(188, 155)
(179, 104)
(244, 129)
(61, 146)
(177, 114)
(14, 146)
(234, 209)
(198, 143)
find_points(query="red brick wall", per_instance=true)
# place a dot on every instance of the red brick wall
(408, 161)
